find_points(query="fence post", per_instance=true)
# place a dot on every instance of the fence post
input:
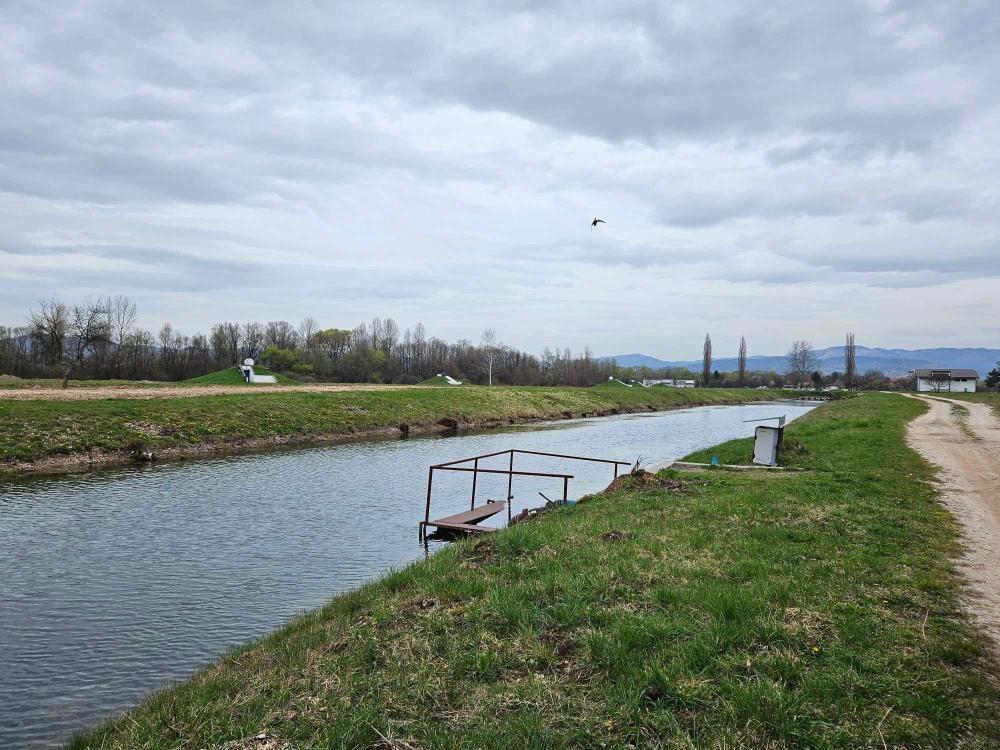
(427, 509)
(510, 483)
(475, 476)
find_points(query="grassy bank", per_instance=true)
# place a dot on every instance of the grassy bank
(811, 609)
(67, 431)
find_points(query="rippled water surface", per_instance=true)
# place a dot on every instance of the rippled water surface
(115, 583)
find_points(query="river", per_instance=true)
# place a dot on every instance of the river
(117, 582)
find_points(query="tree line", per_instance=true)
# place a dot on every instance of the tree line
(100, 339)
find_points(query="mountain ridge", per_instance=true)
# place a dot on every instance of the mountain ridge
(893, 362)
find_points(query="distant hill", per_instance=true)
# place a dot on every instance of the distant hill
(894, 362)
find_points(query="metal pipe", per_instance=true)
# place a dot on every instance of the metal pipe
(575, 458)
(470, 458)
(510, 484)
(475, 477)
(505, 471)
(430, 481)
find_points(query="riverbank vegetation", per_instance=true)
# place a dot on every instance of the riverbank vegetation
(805, 609)
(43, 434)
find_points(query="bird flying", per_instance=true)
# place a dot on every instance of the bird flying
(597, 221)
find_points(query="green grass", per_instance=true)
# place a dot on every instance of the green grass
(36, 428)
(233, 376)
(615, 385)
(439, 380)
(992, 399)
(810, 610)
(9, 382)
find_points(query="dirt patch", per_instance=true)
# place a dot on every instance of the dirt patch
(482, 553)
(616, 536)
(643, 479)
(966, 448)
(262, 741)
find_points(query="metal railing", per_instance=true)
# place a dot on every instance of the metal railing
(510, 474)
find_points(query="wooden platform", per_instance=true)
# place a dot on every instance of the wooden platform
(467, 520)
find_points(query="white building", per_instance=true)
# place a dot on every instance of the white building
(955, 380)
(671, 383)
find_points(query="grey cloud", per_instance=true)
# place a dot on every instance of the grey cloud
(834, 136)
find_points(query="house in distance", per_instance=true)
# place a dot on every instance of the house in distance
(956, 380)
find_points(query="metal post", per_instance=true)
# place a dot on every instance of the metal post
(616, 470)
(427, 509)
(565, 490)
(475, 476)
(510, 485)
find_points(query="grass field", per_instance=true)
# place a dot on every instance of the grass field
(812, 609)
(8, 382)
(32, 430)
(232, 376)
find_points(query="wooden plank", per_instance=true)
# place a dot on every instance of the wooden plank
(471, 528)
(471, 516)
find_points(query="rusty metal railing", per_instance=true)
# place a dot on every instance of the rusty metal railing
(509, 472)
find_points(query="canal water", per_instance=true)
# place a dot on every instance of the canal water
(118, 582)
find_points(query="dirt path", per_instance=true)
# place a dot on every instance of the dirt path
(963, 439)
(176, 391)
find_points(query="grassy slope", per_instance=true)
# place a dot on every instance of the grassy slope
(815, 609)
(439, 380)
(232, 376)
(32, 429)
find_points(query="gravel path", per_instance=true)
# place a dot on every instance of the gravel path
(967, 450)
(179, 391)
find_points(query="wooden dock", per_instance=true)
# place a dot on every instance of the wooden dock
(468, 520)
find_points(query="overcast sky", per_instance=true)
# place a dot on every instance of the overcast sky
(791, 170)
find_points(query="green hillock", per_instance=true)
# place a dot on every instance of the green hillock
(233, 376)
(438, 380)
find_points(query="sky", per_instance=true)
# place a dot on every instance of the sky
(779, 170)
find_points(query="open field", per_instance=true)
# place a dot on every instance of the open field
(177, 390)
(810, 609)
(43, 434)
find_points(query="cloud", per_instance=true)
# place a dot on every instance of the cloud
(441, 162)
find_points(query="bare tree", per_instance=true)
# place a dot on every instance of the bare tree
(253, 339)
(307, 333)
(706, 361)
(741, 361)
(281, 334)
(850, 361)
(801, 362)
(226, 343)
(488, 352)
(88, 327)
(48, 325)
